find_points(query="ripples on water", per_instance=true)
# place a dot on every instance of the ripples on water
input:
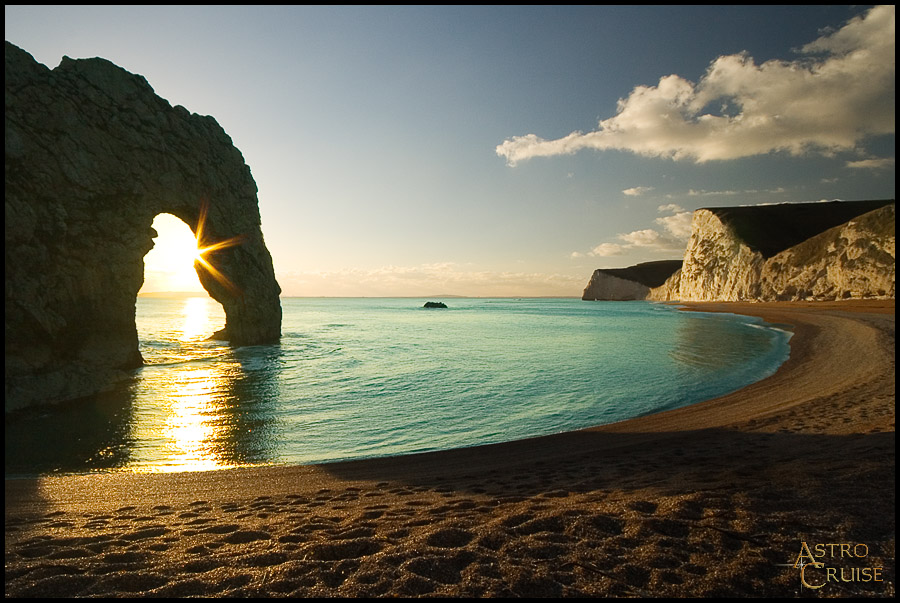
(356, 378)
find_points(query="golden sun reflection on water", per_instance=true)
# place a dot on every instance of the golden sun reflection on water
(196, 318)
(187, 430)
(190, 426)
(185, 426)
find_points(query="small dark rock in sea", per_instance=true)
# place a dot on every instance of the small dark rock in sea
(435, 305)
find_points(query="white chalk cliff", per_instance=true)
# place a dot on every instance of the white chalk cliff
(632, 283)
(804, 251)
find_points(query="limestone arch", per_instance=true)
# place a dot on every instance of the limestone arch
(92, 155)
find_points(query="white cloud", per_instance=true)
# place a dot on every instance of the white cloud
(724, 193)
(677, 225)
(642, 238)
(671, 207)
(606, 250)
(677, 229)
(651, 239)
(637, 191)
(872, 164)
(702, 193)
(840, 91)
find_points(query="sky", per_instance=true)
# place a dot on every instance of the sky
(502, 151)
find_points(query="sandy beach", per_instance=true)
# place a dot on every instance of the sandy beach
(715, 499)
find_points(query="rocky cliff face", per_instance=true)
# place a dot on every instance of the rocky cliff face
(632, 283)
(604, 286)
(764, 253)
(718, 265)
(853, 260)
(92, 156)
(807, 251)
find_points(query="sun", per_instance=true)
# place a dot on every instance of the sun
(169, 266)
(206, 246)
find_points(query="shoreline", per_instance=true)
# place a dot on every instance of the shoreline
(63, 469)
(704, 500)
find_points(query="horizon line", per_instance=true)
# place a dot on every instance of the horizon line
(175, 294)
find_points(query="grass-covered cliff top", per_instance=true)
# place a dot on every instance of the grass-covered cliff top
(649, 274)
(770, 229)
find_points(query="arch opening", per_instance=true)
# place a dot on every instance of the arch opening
(169, 266)
(184, 308)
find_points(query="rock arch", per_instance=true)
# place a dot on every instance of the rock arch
(92, 156)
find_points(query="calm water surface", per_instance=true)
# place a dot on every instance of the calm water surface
(357, 378)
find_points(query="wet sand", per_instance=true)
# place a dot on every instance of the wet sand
(714, 499)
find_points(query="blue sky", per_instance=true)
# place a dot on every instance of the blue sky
(506, 151)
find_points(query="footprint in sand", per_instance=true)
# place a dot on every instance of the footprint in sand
(450, 537)
(643, 506)
(338, 551)
(442, 569)
(245, 536)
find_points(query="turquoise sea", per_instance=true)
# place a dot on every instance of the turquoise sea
(358, 378)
